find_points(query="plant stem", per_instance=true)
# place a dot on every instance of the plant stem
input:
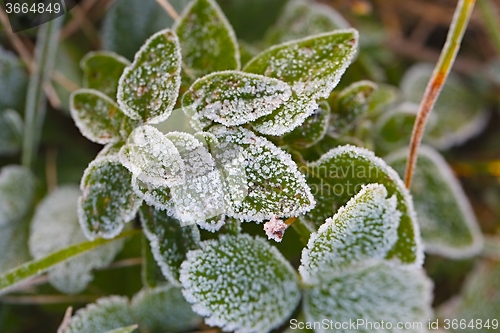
(490, 15)
(169, 9)
(36, 100)
(301, 228)
(443, 67)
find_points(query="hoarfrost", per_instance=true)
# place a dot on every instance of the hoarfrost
(275, 229)
(366, 227)
(54, 227)
(152, 157)
(148, 88)
(156, 196)
(240, 283)
(213, 224)
(375, 292)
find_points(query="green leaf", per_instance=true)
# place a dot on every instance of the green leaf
(152, 157)
(240, 283)
(170, 241)
(108, 200)
(274, 185)
(163, 309)
(365, 228)
(156, 196)
(233, 98)
(111, 149)
(312, 66)
(382, 98)
(312, 130)
(127, 329)
(99, 118)
(445, 216)
(351, 104)
(14, 244)
(341, 173)
(148, 88)
(460, 114)
(102, 70)
(17, 187)
(372, 294)
(208, 40)
(13, 81)
(302, 18)
(11, 132)
(151, 273)
(54, 227)
(36, 267)
(108, 313)
(148, 17)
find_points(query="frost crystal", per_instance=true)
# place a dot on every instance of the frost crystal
(375, 292)
(366, 227)
(275, 229)
(152, 157)
(54, 227)
(241, 284)
(148, 88)
(275, 185)
(107, 200)
(312, 130)
(234, 98)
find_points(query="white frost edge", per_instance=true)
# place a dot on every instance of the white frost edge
(463, 202)
(110, 54)
(86, 132)
(213, 319)
(394, 176)
(125, 217)
(169, 108)
(213, 227)
(225, 22)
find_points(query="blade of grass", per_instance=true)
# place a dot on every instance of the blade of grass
(443, 67)
(491, 19)
(36, 267)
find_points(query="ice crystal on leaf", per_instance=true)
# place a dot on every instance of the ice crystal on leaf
(312, 130)
(102, 70)
(152, 157)
(234, 98)
(275, 185)
(240, 283)
(445, 216)
(99, 118)
(156, 196)
(169, 240)
(341, 172)
(107, 200)
(207, 39)
(54, 227)
(312, 66)
(375, 292)
(366, 227)
(148, 88)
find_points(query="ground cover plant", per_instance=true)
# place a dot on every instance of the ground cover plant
(185, 169)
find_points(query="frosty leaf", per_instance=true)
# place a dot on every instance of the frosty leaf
(373, 293)
(111, 149)
(14, 244)
(312, 66)
(163, 309)
(151, 274)
(127, 329)
(213, 224)
(445, 216)
(169, 240)
(383, 97)
(148, 88)
(54, 227)
(479, 300)
(152, 157)
(106, 314)
(98, 117)
(240, 283)
(234, 98)
(341, 173)
(302, 18)
(312, 130)
(366, 227)
(275, 185)
(13, 81)
(108, 200)
(201, 195)
(156, 196)
(11, 132)
(460, 114)
(17, 187)
(208, 40)
(102, 70)
(350, 104)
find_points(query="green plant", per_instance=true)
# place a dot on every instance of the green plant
(205, 137)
